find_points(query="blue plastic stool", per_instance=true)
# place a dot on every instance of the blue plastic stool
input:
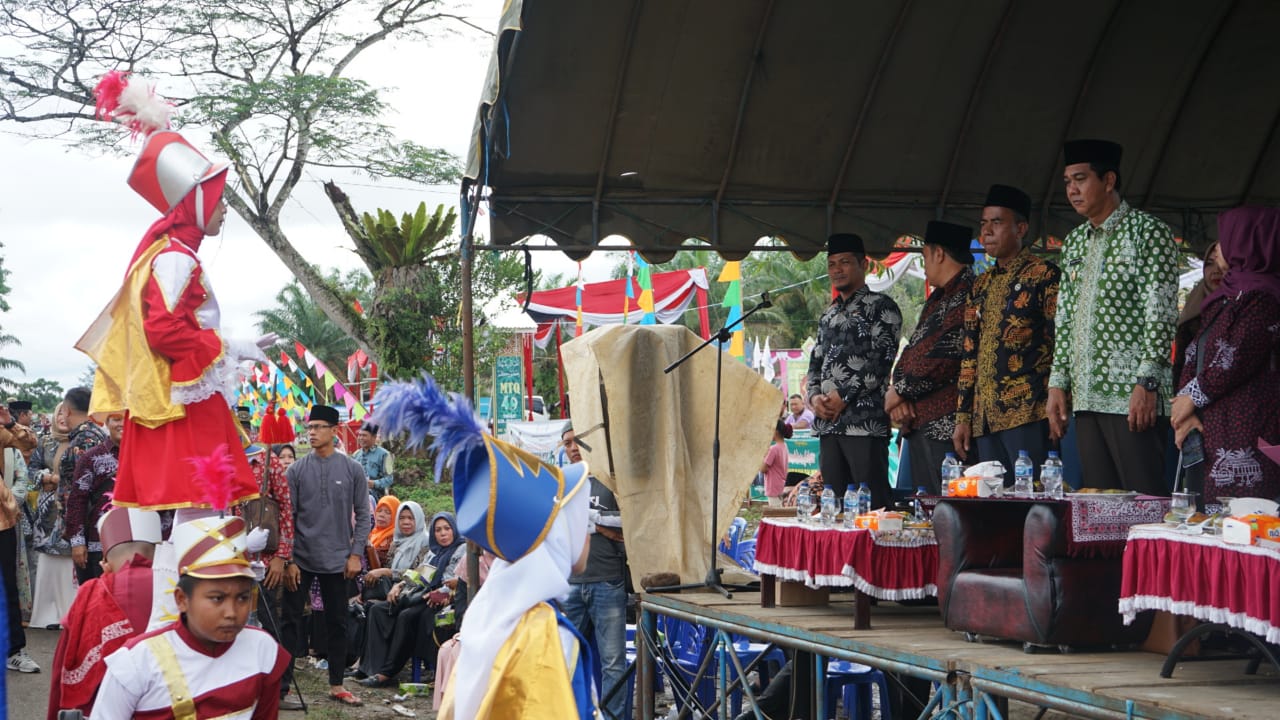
(854, 682)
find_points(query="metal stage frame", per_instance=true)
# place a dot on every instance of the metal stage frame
(971, 679)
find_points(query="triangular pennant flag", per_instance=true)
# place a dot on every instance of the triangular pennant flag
(732, 271)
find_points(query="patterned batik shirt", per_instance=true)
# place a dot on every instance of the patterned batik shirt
(1118, 311)
(1008, 345)
(85, 437)
(857, 340)
(926, 373)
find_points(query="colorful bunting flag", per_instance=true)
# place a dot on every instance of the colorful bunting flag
(732, 274)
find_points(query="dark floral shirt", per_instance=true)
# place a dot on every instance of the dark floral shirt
(930, 363)
(88, 500)
(857, 341)
(86, 436)
(1008, 345)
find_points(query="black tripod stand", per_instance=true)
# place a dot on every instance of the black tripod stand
(722, 336)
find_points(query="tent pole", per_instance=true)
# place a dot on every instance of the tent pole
(469, 383)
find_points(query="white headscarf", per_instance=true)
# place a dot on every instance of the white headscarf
(407, 548)
(510, 590)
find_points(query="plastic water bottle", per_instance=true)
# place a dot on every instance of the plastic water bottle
(803, 507)
(1051, 475)
(850, 507)
(864, 499)
(1023, 475)
(950, 471)
(917, 505)
(828, 508)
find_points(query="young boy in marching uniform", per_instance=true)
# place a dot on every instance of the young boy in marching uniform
(207, 664)
(108, 610)
(520, 656)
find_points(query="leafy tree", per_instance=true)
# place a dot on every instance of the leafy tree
(86, 378)
(43, 393)
(7, 365)
(413, 321)
(267, 79)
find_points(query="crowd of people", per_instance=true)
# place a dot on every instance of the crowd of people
(1019, 356)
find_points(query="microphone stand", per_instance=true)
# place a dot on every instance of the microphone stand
(723, 336)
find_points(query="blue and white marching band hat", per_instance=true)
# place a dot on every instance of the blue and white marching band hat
(506, 498)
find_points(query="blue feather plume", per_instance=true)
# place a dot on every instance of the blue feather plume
(423, 410)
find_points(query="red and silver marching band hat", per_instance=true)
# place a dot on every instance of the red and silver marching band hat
(212, 548)
(121, 525)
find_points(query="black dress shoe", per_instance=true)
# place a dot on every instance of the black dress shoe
(355, 674)
(290, 704)
(373, 682)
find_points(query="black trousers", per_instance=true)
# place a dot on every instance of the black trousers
(333, 592)
(926, 462)
(9, 573)
(92, 568)
(847, 460)
(1005, 445)
(1112, 456)
(391, 637)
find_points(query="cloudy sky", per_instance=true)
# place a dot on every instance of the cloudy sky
(69, 223)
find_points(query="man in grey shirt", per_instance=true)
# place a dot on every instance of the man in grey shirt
(327, 488)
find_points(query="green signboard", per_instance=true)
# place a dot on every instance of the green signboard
(802, 453)
(508, 391)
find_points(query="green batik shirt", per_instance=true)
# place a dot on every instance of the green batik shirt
(1117, 309)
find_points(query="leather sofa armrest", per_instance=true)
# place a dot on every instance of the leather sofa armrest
(976, 534)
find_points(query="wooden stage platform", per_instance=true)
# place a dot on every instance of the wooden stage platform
(911, 640)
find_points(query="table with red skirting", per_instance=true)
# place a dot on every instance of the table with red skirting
(1230, 587)
(901, 565)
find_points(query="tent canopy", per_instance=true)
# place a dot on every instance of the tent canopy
(729, 120)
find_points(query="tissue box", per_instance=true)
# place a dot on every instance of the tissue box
(1246, 529)
(879, 520)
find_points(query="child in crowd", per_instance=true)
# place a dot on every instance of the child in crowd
(207, 664)
(108, 610)
(774, 468)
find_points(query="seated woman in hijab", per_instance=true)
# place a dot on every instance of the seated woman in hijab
(383, 532)
(393, 624)
(1233, 367)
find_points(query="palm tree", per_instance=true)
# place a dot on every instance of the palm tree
(798, 289)
(7, 384)
(296, 318)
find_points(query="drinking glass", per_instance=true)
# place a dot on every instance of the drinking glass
(1053, 488)
(1182, 505)
(995, 485)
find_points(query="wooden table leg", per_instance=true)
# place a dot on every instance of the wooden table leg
(767, 594)
(861, 611)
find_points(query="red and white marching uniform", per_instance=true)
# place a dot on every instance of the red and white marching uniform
(167, 674)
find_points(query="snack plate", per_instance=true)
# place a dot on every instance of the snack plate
(1103, 496)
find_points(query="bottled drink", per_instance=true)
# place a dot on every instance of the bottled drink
(917, 506)
(864, 499)
(850, 507)
(828, 508)
(802, 501)
(1023, 475)
(1051, 476)
(950, 471)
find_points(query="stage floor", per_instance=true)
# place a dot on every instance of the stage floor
(912, 640)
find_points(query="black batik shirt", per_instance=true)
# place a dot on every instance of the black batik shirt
(857, 341)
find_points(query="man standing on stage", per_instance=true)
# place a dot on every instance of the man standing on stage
(849, 372)
(326, 488)
(1115, 329)
(1008, 341)
(922, 400)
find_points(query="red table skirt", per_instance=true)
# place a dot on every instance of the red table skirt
(1202, 577)
(888, 566)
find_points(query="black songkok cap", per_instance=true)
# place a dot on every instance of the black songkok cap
(324, 413)
(845, 242)
(17, 406)
(950, 236)
(369, 428)
(1007, 196)
(1099, 152)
